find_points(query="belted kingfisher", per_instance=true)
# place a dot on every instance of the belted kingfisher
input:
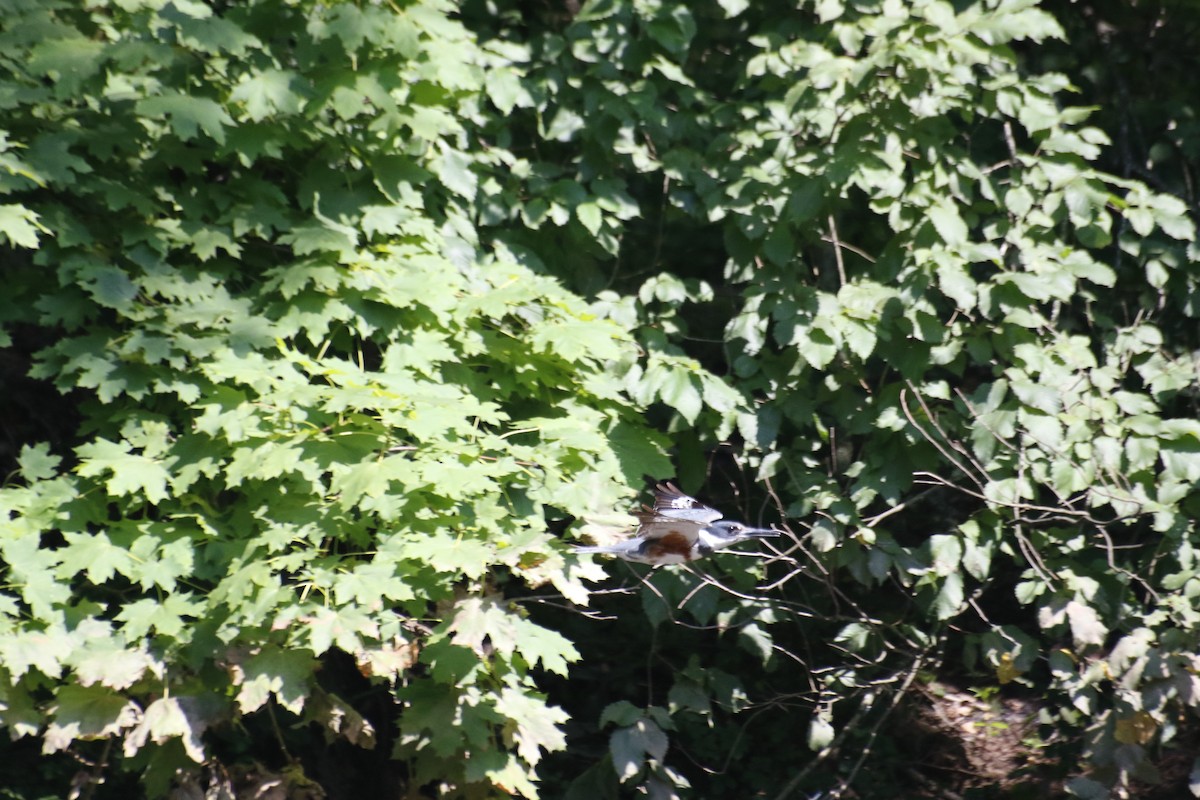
(678, 529)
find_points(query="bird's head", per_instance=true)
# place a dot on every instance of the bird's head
(727, 532)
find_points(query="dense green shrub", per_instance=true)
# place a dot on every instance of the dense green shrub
(355, 308)
(316, 410)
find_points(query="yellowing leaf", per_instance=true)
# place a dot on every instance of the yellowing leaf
(1136, 729)
(1006, 669)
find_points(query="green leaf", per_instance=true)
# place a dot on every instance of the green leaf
(44, 651)
(977, 559)
(128, 473)
(674, 30)
(957, 284)
(949, 225)
(81, 712)
(630, 746)
(162, 562)
(859, 337)
(946, 550)
(949, 600)
(855, 637)
(733, 8)
(590, 215)
(541, 645)
(564, 125)
(477, 620)
(536, 723)
(779, 246)
(17, 712)
(824, 535)
(269, 92)
(286, 674)
(344, 627)
(188, 116)
(686, 696)
(817, 348)
(37, 463)
(1018, 200)
(1086, 627)
(577, 339)
(106, 661)
(504, 89)
(165, 719)
(639, 452)
(446, 552)
(621, 713)
(682, 391)
(454, 171)
(110, 287)
(19, 226)
(167, 617)
(95, 554)
(757, 640)
(820, 731)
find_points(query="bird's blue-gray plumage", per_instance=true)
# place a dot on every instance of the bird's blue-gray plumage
(678, 529)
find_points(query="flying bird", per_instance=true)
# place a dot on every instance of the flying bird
(678, 529)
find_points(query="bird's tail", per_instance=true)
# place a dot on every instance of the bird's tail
(591, 549)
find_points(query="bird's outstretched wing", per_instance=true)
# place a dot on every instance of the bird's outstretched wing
(672, 503)
(675, 520)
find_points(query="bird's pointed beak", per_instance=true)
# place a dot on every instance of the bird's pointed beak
(760, 533)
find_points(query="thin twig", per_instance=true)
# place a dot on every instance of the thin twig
(953, 443)
(933, 441)
(837, 251)
(278, 731)
(96, 776)
(863, 254)
(871, 522)
(1011, 141)
(912, 674)
(835, 746)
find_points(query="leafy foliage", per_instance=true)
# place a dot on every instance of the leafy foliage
(357, 306)
(320, 413)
